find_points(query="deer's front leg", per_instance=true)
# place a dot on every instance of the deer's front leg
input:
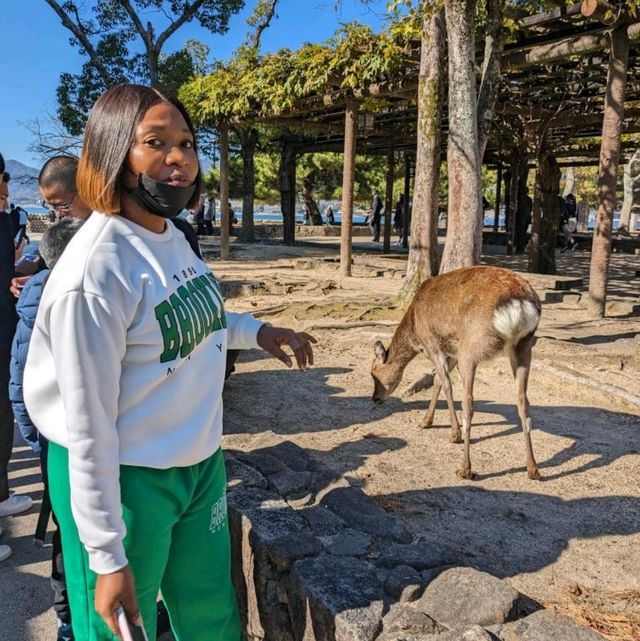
(440, 363)
(427, 421)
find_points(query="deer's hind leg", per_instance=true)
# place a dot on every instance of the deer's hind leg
(520, 357)
(443, 366)
(467, 374)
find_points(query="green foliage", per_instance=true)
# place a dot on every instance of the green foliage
(114, 36)
(270, 84)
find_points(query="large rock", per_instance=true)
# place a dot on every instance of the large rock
(361, 512)
(322, 521)
(335, 598)
(348, 542)
(423, 556)
(467, 596)
(468, 633)
(239, 474)
(405, 619)
(404, 583)
(545, 625)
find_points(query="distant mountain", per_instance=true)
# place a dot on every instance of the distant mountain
(23, 186)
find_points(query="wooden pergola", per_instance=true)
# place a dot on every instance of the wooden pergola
(555, 74)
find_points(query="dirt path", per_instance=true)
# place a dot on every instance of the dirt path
(581, 525)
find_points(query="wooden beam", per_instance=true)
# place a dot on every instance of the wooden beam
(555, 51)
(551, 16)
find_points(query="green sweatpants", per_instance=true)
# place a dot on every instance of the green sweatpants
(177, 541)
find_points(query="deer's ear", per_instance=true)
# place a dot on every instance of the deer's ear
(380, 352)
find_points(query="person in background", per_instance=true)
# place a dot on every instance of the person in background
(129, 319)
(398, 218)
(331, 218)
(57, 184)
(24, 221)
(568, 222)
(209, 214)
(10, 504)
(14, 215)
(375, 216)
(53, 243)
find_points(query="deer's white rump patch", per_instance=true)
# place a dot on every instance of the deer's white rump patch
(516, 319)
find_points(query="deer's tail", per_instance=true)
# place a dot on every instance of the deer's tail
(515, 319)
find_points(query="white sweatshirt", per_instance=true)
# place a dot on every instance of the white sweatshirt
(126, 366)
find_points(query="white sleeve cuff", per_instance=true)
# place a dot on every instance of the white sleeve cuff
(107, 560)
(242, 331)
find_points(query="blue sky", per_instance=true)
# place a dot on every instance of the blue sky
(36, 50)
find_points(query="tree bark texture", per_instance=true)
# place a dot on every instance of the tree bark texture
(631, 187)
(315, 217)
(496, 216)
(627, 202)
(224, 191)
(514, 172)
(464, 234)
(248, 141)
(523, 208)
(388, 201)
(569, 181)
(423, 244)
(490, 83)
(608, 173)
(549, 175)
(348, 174)
(406, 205)
(287, 176)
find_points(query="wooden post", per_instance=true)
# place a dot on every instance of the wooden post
(388, 200)
(348, 174)
(608, 173)
(496, 217)
(287, 181)
(513, 200)
(406, 206)
(224, 191)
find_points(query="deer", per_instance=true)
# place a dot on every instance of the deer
(463, 318)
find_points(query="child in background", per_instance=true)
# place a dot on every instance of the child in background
(53, 243)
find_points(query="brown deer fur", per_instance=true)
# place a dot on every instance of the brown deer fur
(463, 318)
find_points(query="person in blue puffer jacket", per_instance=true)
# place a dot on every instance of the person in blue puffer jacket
(53, 243)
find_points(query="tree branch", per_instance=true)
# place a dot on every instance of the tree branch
(80, 33)
(264, 12)
(188, 13)
(145, 34)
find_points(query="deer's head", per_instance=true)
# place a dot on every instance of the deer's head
(386, 377)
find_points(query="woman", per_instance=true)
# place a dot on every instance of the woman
(124, 377)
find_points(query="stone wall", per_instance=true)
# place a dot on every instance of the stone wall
(316, 559)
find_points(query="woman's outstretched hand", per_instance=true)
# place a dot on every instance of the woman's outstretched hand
(273, 339)
(115, 590)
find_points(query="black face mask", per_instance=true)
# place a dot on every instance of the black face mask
(160, 198)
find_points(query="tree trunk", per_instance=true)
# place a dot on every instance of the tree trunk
(287, 175)
(406, 204)
(523, 209)
(152, 62)
(625, 213)
(490, 83)
(496, 215)
(464, 235)
(423, 246)
(549, 174)
(607, 180)
(248, 140)
(315, 217)
(536, 221)
(514, 172)
(348, 174)
(569, 181)
(388, 201)
(224, 191)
